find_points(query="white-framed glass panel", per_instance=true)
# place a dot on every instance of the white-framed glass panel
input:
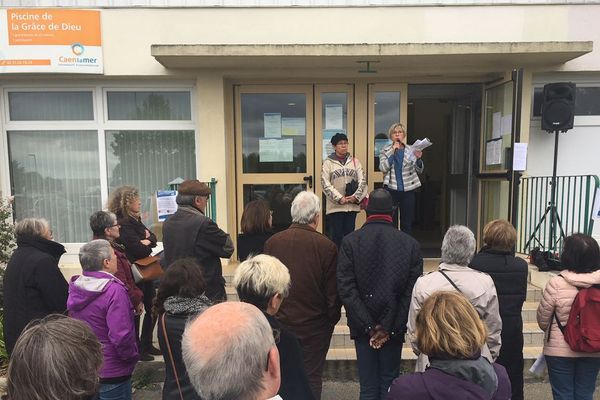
(51, 106)
(149, 105)
(274, 132)
(387, 112)
(497, 130)
(55, 175)
(149, 160)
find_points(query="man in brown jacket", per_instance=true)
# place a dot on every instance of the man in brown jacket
(312, 308)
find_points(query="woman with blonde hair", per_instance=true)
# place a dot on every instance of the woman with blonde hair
(264, 282)
(450, 332)
(400, 178)
(509, 273)
(138, 241)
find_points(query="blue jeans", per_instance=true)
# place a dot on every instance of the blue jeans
(115, 391)
(573, 378)
(341, 224)
(377, 368)
(404, 208)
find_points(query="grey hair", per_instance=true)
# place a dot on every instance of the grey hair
(259, 278)
(185, 199)
(93, 254)
(233, 371)
(32, 227)
(458, 246)
(100, 220)
(305, 207)
(56, 358)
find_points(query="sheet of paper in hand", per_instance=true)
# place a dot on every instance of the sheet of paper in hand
(420, 145)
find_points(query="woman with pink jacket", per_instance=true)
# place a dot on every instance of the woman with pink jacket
(572, 374)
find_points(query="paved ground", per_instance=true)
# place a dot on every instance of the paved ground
(349, 391)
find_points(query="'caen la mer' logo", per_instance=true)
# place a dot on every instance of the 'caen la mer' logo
(77, 49)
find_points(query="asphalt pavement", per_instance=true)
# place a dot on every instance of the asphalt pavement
(348, 390)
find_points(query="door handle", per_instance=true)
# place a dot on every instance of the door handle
(309, 180)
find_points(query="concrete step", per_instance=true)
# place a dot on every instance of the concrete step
(349, 353)
(528, 313)
(532, 336)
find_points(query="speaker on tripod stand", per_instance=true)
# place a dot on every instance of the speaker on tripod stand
(558, 114)
(558, 107)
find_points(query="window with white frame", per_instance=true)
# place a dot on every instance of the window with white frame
(67, 153)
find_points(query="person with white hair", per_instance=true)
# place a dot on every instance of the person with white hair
(458, 248)
(312, 308)
(100, 299)
(264, 282)
(230, 354)
(33, 284)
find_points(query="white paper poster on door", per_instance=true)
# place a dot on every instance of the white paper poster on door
(520, 157)
(293, 126)
(334, 116)
(496, 125)
(272, 125)
(493, 152)
(276, 150)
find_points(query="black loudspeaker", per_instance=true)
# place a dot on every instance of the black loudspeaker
(558, 107)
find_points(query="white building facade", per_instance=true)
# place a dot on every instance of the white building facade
(248, 93)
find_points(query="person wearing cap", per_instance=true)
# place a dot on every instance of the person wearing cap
(400, 175)
(378, 266)
(190, 233)
(345, 185)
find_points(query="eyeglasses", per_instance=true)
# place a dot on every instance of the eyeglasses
(277, 337)
(112, 226)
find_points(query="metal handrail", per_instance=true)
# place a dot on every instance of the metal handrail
(575, 196)
(211, 207)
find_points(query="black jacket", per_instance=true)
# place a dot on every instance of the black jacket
(189, 233)
(377, 269)
(132, 231)
(509, 274)
(251, 243)
(33, 285)
(294, 381)
(175, 326)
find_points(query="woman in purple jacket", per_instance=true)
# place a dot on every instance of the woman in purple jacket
(450, 332)
(99, 299)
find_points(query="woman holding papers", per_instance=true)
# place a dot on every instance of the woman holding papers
(400, 164)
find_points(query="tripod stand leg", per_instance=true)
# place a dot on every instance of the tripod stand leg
(537, 228)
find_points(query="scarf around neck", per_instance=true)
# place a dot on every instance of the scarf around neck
(186, 305)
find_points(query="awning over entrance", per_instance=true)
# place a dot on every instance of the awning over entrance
(373, 59)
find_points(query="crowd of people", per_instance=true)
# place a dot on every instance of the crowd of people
(462, 320)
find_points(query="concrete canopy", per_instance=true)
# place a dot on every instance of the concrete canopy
(408, 59)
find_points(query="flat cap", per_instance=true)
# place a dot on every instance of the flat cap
(194, 187)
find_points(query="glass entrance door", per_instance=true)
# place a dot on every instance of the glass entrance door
(274, 147)
(282, 137)
(501, 122)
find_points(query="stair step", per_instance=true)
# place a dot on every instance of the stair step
(349, 353)
(532, 335)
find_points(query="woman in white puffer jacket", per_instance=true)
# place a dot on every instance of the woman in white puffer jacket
(572, 374)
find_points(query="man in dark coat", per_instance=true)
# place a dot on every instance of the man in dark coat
(312, 308)
(509, 273)
(33, 284)
(190, 233)
(377, 269)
